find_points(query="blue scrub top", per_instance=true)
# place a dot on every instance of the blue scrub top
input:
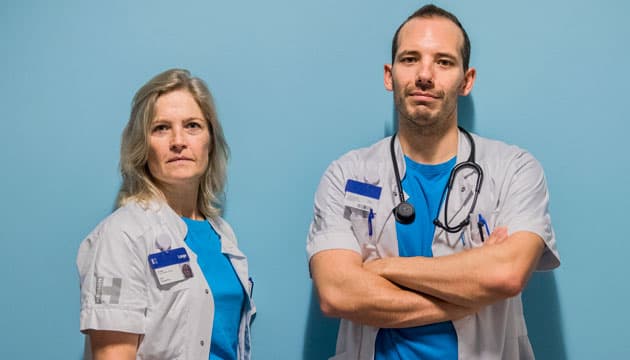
(227, 291)
(425, 186)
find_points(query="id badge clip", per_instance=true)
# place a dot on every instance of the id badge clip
(171, 265)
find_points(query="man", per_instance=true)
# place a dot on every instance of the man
(440, 276)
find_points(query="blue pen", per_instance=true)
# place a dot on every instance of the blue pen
(370, 217)
(481, 224)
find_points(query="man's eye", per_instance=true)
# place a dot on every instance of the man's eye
(445, 62)
(408, 60)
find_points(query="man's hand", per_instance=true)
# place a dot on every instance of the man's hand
(499, 235)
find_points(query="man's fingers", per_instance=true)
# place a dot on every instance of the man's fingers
(499, 235)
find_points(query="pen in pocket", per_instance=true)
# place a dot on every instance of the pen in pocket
(370, 217)
(481, 224)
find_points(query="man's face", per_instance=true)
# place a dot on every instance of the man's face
(427, 75)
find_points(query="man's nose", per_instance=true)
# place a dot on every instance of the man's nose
(424, 76)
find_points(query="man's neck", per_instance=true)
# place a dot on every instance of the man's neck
(429, 148)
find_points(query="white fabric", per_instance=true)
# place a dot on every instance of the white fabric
(513, 194)
(176, 319)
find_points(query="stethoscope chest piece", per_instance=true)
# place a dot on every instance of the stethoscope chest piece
(404, 213)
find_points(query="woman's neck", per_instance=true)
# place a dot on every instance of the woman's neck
(183, 201)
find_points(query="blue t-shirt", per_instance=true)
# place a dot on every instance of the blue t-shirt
(227, 290)
(425, 185)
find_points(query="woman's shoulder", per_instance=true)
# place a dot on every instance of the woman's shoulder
(133, 219)
(124, 234)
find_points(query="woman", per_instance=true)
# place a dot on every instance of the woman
(162, 277)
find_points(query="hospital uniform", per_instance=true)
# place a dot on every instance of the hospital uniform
(121, 292)
(513, 194)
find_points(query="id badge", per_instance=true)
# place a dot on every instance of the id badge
(362, 196)
(171, 265)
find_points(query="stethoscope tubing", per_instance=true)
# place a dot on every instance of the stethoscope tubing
(404, 212)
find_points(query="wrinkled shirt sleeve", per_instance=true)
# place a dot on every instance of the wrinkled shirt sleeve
(525, 206)
(112, 270)
(330, 227)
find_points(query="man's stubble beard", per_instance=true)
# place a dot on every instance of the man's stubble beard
(424, 125)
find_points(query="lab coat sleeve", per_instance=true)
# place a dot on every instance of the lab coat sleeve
(112, 270)
(525, 205)
(330, 228)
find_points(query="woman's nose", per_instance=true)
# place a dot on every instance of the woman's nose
(178, 140)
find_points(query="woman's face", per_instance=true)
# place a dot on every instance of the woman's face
(179, 141)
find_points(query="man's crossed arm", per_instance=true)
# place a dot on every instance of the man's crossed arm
(412, 291)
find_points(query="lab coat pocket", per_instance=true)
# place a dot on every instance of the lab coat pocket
(481, 226)
(361, 230)
(167, 318)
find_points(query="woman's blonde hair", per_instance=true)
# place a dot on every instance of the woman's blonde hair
(137, 182)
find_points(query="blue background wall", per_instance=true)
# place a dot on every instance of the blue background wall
(298, 83)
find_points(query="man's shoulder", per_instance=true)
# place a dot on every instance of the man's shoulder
(493, 149)
(365, 164)
(375, 153)
(501, 159)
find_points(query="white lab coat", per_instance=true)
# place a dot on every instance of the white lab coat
(513, 194)
(119, 290)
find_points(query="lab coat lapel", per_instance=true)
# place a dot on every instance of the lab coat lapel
(385, 223)
(462, 193)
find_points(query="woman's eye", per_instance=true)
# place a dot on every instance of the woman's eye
(193, 125)
(160, 128)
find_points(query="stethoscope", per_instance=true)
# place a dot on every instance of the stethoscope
(406, 214)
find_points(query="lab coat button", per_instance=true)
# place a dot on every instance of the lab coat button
(207, 291)
(201, 343)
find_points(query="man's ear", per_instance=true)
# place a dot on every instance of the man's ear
(469, 81)
(387, 77)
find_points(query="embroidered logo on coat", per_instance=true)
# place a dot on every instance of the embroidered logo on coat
(113, 290)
